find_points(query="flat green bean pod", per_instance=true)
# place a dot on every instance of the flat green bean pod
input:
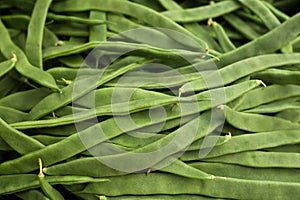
(66, 18)
(248, 142)
(160, 183)
(260, 159)
(6, 66)
(19, 141)
(256, 122)
(23, 66)
(203, 12)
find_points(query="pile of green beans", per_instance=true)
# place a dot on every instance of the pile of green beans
(236, 138)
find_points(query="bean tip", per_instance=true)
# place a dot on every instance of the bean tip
(221, 107)
(260, 82)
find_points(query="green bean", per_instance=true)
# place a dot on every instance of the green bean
(260, 159)
(68, 110)
(64, 130)
(122, 47)
(74, 61)
(70, 73)
(25, 5)
(7, 85)
(248, 142)
(11, 115)
(290, 114)
(128, 8)
(99, 32)
(245, 30)
(277, 106)
(4, 146)
(49, 191)
(252, 122)
(65, 18)
(49, 38)
(231, 92)
(203, 12)
(35, 33)
(31, 194)
(69, 29)
(23, 100)
(19, 141)
(23, 182)
(23, 66)
(58, 100)
(284, 33)
(200, 144)
(157, 183)
(6, 66)
(249, 173)
(261, 10)
(153, 5)
(160, 197)
(222, 37)
(182, 169)
(47, 140)
(278, 76)
(19, 22)
(238, 70)
(278, 13)
(267, 95)
(294, 148)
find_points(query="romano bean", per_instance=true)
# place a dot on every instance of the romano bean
(11, 115)
(240, 26)
(74, 19)
(260, 159)
(293, 148)
(35, 33)
(241, 69)
(261, 10)
(128, 8)
(31, 194)
(278, 76)
(19, 141)
(23, 100)
(23, 182)
(98, 32)
(292, 115)
(23, 66)
(231, 92)
(277, 106)
(267, 95)
(248, 142)
(222, 37)
(47, 140)
(157, 183)
(6, 66)
(249, 173)
(203, 12)
(256, 122)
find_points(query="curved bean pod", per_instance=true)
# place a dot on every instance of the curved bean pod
(35, 32)
(252, 122)
(23, 66)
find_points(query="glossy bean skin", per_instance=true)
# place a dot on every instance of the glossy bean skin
(210, 11)
(23, 66)
(35, 33)
(172, 184)
(253, 122)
